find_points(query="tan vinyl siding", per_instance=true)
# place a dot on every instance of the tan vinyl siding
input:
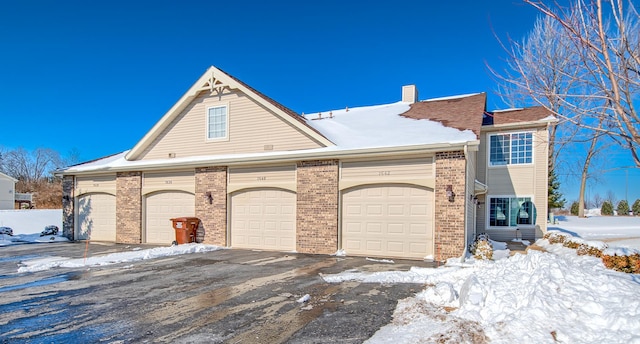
(469, 192)
(262, 174)
(482, 159)
(405, 168)
(542, 180)
(419, 171)
(252, 129)
(519, 181)
(175, 180)
(91, 184)
(481, 214)
(283, 177)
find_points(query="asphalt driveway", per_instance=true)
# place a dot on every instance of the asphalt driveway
(226, 296)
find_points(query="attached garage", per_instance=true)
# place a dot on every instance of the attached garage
(263, 218)
(162, 206)
(388, 220)
(96, 217)
(166, 195)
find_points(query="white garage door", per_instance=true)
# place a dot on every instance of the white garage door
(96, 217)
(160, 207)
(264, 219)
(388, 221)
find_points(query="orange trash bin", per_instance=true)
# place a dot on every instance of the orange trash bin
(186, 228)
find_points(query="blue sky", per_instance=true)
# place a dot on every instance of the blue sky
(95, 76)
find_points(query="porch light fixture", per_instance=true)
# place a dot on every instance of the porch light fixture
(66, 198)
(209, 196)
(450, 194)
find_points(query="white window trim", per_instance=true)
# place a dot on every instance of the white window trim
(533, 150)
(206, 129)
(488, 212)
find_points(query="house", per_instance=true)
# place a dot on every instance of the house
(411, 179)
(7, 191)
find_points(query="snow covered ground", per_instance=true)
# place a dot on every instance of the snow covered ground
(27, 225)
(615, 230)
(31, 220)
(539, 297)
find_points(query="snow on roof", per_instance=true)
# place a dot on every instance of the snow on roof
(382, 126)
(507, 110)
(379, 126)
(451, 97)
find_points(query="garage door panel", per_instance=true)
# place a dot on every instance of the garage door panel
(397, 221)
(271, 218)
(160, 208)
(96, 217)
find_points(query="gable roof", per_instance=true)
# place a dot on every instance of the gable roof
(460, 112)
(215, 80)
(516, 116)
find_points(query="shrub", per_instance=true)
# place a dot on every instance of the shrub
(623, 207)
(636, 207)
(556, 237)
(623, 263)
(482, 248)
(575, 208)
(607, 208)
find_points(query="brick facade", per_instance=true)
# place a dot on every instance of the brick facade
(317, 206)
(212, 214)
(129, 207)
(68, 194)
(449, 216)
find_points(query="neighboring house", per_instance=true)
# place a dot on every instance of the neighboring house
(411, 179)
(7, 191)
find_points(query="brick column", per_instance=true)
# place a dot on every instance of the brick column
(449, 216)
(68, 193)
(129, 207)
(212, 215)
(317, 206)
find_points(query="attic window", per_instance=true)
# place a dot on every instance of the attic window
(217, 122)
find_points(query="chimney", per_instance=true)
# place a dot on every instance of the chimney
(409, 94)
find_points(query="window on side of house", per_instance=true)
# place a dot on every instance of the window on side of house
(511, 211)
(217, 123)
(511, 149)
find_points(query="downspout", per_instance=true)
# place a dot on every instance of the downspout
(466, 199)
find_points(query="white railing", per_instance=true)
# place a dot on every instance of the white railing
(26, 197)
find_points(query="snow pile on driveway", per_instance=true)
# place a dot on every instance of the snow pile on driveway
(114, 258)
(535, 298)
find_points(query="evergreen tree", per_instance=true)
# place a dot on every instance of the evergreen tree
(574, 208)
(607, 208)
(623, 207)
(636, 207)
(555, 197)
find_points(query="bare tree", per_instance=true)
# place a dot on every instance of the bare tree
(542, 69)
(30, 167)
(597, 200)
(604, 36)
(611, 198)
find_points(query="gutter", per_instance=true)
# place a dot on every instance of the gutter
(293, 156)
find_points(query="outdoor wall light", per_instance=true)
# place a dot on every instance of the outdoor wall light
(209, 196)
(66, 198)
(450, 194)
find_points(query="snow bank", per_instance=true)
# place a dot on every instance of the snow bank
(599, 227)
(114, 258)
(534, 298)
